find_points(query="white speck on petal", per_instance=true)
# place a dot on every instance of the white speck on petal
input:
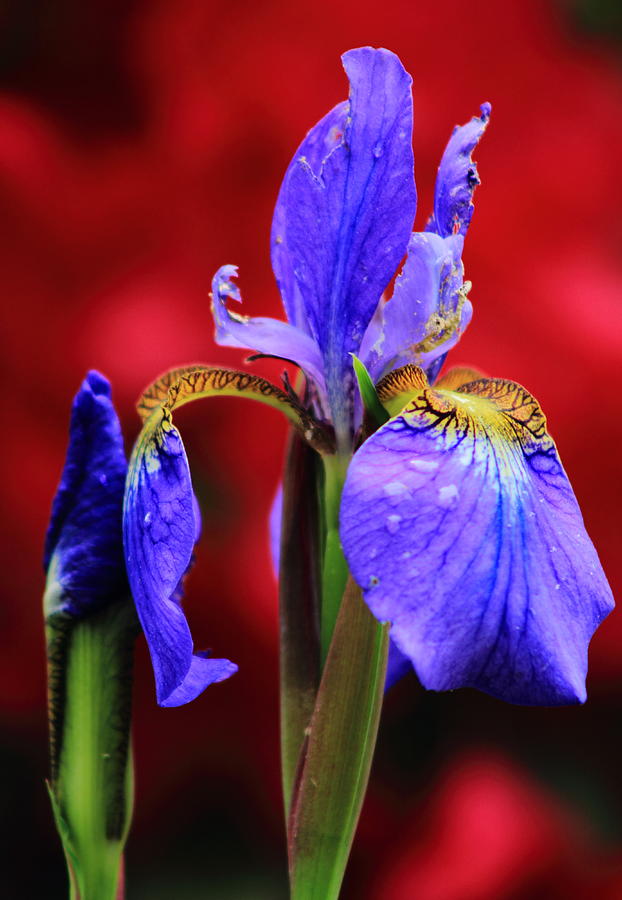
(395, 488)
(392, 523)
(424, 465)
(447, 494)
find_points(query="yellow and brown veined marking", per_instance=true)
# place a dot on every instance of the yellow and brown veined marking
(463, 399)
(183, 385)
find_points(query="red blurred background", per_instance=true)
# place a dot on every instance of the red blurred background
(141, 146)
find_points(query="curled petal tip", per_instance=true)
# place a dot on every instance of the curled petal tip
(203, 672)
(265, 335)
(223, 286)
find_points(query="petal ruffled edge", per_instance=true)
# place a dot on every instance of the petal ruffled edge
(457, 178)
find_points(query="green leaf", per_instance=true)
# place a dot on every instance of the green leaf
(373, 407)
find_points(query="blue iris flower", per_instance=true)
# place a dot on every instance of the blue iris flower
(457, 519)
(84, 554)
(83, 548)
(342, 225)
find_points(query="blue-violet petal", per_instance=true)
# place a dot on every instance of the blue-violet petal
(460, 525)
(160, 526)
(345, 223)
(457, 178)
(83, 542)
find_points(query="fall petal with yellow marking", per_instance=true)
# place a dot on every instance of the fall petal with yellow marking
(461, 527)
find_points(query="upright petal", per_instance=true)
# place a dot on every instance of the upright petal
(83, 546)
(459, 523)
(345, 223)
(428, 311)
(457, 178)
(318, 143)
(269, 336)
(159, 528)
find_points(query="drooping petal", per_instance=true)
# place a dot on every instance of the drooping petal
(265, 335)
(83, 546)
(428, 311)
(345, 223)
(159, 529)
(161, 524)
(457, 178)
(460, 525)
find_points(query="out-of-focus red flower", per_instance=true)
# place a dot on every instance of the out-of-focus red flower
(490, 831)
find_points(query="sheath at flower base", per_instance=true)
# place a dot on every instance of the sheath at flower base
(460, 525)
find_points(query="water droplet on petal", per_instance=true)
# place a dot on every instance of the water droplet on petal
(147, 519)
(448, 494)
(395, 489)
(377, 151)
(392, 523)
(424, 465)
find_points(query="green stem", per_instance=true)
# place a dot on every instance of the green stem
(90, 682)
(337, 763)
(335, 569)
(299, 603)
